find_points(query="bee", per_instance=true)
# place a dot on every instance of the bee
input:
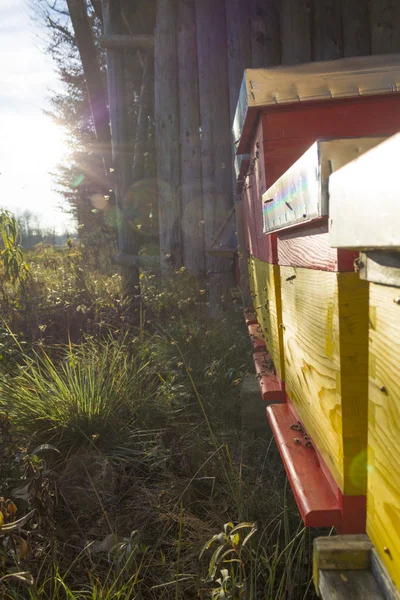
(308, 444)
(297, 440)
(291, 278)
(295, 426)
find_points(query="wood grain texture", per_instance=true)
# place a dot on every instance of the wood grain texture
(265, 288)
(383, 497)
(265, 33)
(309, 247)
(296, 31)
(216, 150)
(355, 23)
(238, 47)
(325, 333)
(343, 118)
(385, 26)
(191, 192)
(264, 246)
(243, 257)
(167, 133)
(316, 501)
(128, 242)
(248, 222)
(142, 126)
(121, 42)
(351, 585)
(327, 39)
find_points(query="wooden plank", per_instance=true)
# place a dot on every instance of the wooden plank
(191, 192)
(271, 387)
(353, 77)
(385, 26)
(349, 585)
(265, 247)
(265, 33)
(341, 553)
(355, 189)
(241, 165)
(327, 39)
(356, 29)
(363, 117)
(238, 47)
(267, 304)
(126, 42)
(117, 101)
(167, 133)
(309, 247)
(325, 337)
(383, 496)
(256, 337)
(380, 267)
(145, 104)
(249, 222)
(315, 498)
(215, 136)
(383, 578)
(301, 194)
(249, 316)
(243, 258)
(296, 31)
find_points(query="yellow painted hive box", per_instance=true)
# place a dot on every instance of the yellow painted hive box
(325, 342)
(266, 296)
(383, 495)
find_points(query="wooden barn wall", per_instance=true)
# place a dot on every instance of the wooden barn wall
(201, 50)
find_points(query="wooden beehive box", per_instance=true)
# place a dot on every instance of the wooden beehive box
(324, 317)
(365, 213)
(325, 341)
(265, 289)
(281, 113)
(301, 194)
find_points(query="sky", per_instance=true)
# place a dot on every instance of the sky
(31, 145)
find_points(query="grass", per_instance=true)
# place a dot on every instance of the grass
(123, 433)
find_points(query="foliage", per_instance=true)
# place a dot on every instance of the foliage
(14, 266)
(125, 440)
(228, 563)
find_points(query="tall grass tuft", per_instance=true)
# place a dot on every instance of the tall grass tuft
(90, 396)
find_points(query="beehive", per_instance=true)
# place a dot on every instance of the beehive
(265, 287)
(325, 336)
(374, 226)
(281, 113)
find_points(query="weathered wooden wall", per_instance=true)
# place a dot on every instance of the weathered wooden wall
(201, 50)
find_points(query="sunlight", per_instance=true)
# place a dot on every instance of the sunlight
(30, 150)
(39, 142)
